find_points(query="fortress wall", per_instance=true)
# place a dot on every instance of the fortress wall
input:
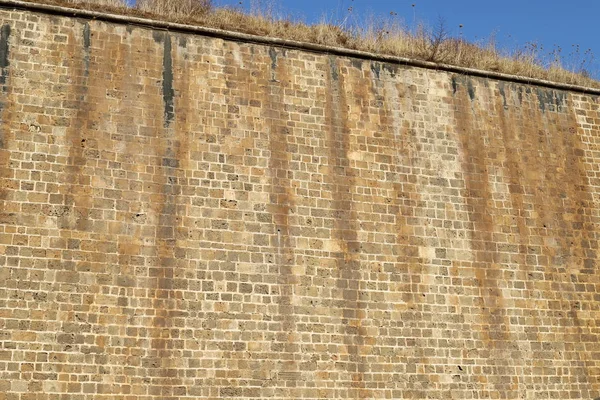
(184, 216)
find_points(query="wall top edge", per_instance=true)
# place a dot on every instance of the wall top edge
(290, 44)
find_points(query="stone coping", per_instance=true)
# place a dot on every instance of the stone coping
(286, 43)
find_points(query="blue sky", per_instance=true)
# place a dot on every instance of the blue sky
(552, 24)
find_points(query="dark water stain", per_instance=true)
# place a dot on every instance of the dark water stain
(357, 63)
(170, 158)
(391, 69)
(515, 138)
(87, 43)
(544, 98)
(405, 198)
(348, 280)
(376, 68)
(167, 84)
(80, 97)
(582, 238)
(164, 298)
(273, 55)
(471, 89)
(502, 93)
(550, 99)
(4, 71)
(466, 81)
(333, 69)
(171, 148)
(476, 166)
(478, 141)
(168, 93)
(275, 81)
(4, 54)
(158, 36)
(6, 115)
(544, 145)
(77, 193)
(564, 197)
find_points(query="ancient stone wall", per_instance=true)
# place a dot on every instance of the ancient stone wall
(186, 216)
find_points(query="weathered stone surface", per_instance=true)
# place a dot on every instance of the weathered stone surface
(190, 217)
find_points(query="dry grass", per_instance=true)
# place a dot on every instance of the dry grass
(110, 4)
(180, 9)
(381, 37)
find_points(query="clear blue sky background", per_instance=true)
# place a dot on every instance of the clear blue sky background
(513, 23)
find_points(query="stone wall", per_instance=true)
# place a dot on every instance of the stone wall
(186, 216)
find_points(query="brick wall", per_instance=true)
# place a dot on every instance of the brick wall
(193, 217)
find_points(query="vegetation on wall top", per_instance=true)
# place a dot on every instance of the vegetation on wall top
(384, 36)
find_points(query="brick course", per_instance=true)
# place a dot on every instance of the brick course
(184, 216)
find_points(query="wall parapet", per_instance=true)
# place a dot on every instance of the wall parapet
(286, 43)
